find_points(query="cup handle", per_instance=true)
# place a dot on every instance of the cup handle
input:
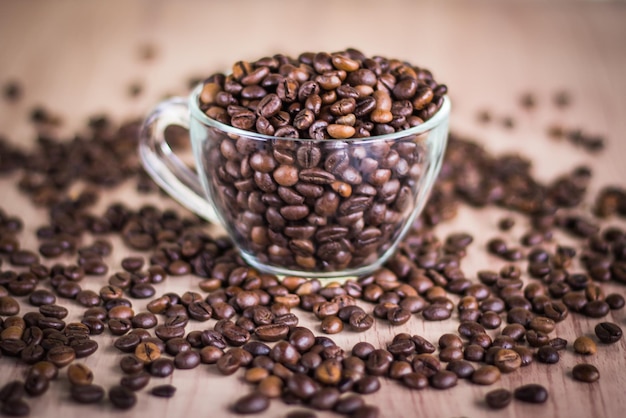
(164, 166)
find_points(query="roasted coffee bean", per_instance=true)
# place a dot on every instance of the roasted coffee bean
(271, 386)
(8, 306)
(531, 393)
(36, 384)
(507, 360)
(136, 381)
(301, 385)
(87, 394)
(61, 355)
(331, 325)
(228, 363)
(163, 391)
(615, 301)
(131, 364)
(161, 367)
(271, 332)
(462, 368)
(122, 398)
(187, 359)
(79, 374)
(585, 345)
(498, 398)
(348, 404)
(45, 368)
(486, 375)
(585, 373)
(608, 332)
(548, 354)
(15, 408)
(443, 379)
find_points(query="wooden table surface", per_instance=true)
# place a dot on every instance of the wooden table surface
(79, 58)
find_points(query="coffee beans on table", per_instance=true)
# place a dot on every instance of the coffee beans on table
(250, 307)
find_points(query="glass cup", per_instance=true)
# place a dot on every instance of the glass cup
(315, 208)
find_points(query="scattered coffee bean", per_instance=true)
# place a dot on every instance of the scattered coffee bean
(498, 398)
(253, 403)
(87, 393)
(585, 373)
(608, 332)
(531, 393)
(122, 398)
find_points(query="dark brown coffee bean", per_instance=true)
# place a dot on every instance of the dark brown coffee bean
(131, 364)
(585, 373)
(87, 394)
(498, 398)
(615, 301)
(443, 379)
(608, 332)
(136, 381)
(462, 368)
(187, 359)
(15, 408)
(531, 393)
(163, 391)
(348, 404)
(161, 367)
(122, 398)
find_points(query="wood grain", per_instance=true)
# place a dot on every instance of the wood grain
(79, 58)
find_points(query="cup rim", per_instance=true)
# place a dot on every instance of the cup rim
(441, 115)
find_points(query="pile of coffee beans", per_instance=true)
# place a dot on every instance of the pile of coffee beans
(245, 322)
(323, 96)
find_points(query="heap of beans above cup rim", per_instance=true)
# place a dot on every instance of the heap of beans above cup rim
(323, 95)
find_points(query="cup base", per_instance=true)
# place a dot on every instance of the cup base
(341, 276)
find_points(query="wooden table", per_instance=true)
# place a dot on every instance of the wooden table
(79, 58)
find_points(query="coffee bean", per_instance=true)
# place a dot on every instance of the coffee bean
(251, 403)
(615, 301)
(87, 394)
(15, 408)
(187, 359)
(608, 332)
(486, 375)
(136, 381)
(548, 354)
(498, 398)
(443, 379)
(163, 391)
(462, 368)
(79, 374)
(531, 393)
(507, 360)
(348, 404)
(585, 345)
(161, 367)
(122, 398)
(8, 306)
(585, 373)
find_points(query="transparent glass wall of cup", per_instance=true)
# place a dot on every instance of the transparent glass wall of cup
(314, 208)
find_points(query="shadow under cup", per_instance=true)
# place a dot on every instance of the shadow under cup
(314, 208)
